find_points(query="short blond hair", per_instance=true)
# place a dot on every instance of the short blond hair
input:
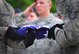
(49, 1)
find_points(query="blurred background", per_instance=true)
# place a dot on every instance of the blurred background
(20, 5)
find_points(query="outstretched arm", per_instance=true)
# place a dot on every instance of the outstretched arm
(26, 34)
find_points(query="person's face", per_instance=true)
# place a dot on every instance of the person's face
(42, 6)
(32, 16)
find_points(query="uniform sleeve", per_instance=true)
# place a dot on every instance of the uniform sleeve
(65, 40)
(15, 40)
(12, 39)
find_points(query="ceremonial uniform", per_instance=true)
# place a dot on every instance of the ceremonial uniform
(45, 45)
(68, 37)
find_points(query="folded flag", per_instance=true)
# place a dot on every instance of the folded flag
(40, 31)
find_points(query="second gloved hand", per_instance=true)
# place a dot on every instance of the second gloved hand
(29, 38)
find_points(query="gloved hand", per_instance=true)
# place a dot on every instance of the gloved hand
(29, 38)
(51, 33)
(12, 34)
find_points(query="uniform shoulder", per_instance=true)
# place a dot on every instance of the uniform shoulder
(56, 19)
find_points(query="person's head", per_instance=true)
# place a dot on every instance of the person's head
(32, 16)
(43, 6)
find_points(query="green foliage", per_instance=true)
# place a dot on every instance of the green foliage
(53, 9)
(23, 4)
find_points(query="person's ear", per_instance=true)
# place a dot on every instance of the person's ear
(50, 5)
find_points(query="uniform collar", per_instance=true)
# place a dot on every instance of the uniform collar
(47, 18)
